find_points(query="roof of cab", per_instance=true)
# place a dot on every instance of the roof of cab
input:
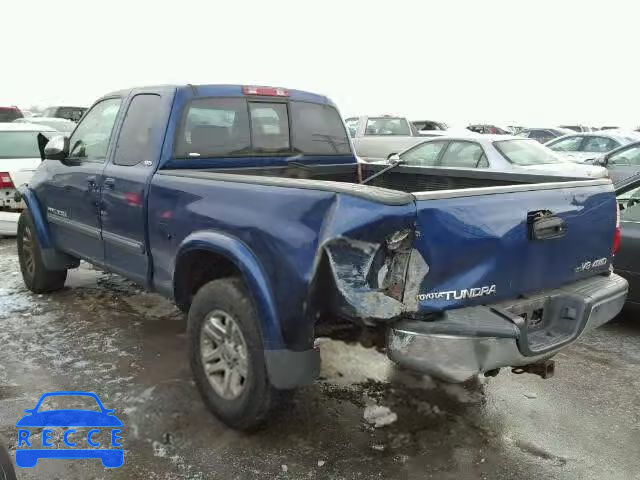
(226, 91)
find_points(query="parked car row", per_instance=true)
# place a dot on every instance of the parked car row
(74, 114)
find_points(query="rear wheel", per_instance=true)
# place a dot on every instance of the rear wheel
(36, 276)
(227, 355)
(6, 466)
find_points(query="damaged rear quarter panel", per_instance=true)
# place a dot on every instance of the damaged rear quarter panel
(286, 229)
(356, 231)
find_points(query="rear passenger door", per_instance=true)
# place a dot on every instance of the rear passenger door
(463, 154)
(122, 206)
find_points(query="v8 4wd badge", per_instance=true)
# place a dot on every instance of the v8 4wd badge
(588, 265)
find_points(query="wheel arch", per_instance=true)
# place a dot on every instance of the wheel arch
(230, 256)
(52, 258)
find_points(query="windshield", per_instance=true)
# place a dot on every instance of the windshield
(526, 152)
(70, 113)
(19, 145)
(9, 114)
(387, 126)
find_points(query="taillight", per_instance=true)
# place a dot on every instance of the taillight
(617, 235)
(5, 180)
(266, 91)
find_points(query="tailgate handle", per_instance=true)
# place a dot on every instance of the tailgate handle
(543, 225)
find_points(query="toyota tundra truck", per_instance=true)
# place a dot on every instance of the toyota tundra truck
(248, 208)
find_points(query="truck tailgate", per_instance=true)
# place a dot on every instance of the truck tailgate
(490, 244)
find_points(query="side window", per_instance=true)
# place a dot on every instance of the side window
(424, 155)
(352, 126)
(527, 134)
(134, 142)
(462, 155)
(90, 140)
(570, 144)
(598, 145)
(630, 156)
(214, 127)
(630, 205)
(269, 127)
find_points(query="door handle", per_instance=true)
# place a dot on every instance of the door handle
(91, 183)
(543, 225)
(109, 183)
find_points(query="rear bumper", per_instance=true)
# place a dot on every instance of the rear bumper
(473, 340)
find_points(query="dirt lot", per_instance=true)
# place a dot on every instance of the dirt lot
(104, 335)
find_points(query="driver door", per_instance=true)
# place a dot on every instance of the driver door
(72, 194)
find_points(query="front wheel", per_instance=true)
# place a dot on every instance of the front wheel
(35, 274)
(227, 355)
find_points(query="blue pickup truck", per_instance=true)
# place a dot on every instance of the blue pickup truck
(249, 209)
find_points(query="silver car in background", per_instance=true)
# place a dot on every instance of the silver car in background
(500, 153)
(543, 134)
(580, 147)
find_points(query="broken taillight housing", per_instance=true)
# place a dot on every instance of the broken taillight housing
(395, 259)
(5, 180)
(618, 234)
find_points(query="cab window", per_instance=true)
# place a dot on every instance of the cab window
(134, 142)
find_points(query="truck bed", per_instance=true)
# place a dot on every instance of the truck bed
(387, 187)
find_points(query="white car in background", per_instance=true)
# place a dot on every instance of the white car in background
(19, 158)
(60, 124)
(585, 146)
(499, 153)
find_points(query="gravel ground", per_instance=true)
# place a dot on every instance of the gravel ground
(103, 334)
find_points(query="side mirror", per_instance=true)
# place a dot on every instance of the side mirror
(393, 158)
(57, 148)
(602, 161)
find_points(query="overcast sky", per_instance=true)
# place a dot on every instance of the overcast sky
(534, 62)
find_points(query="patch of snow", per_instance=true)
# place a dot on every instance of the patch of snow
(379, 416)
(159, 450)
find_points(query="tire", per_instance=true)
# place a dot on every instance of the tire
(34, 273)
(7, 471)
(254, 397)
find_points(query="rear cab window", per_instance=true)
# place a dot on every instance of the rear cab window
(234, 126)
